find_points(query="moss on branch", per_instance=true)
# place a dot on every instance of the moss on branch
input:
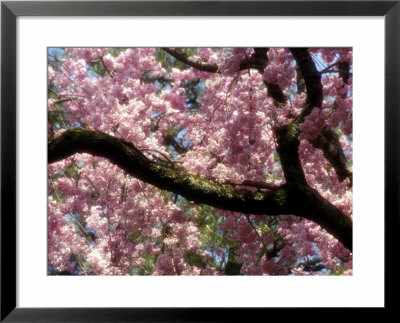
(192, 186)
(291, 198)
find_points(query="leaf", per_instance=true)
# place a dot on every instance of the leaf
(71, 172)
(194, 259)
(174, 130)
(51, 94)
(133, 236)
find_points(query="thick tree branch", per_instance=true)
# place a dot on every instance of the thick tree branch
(312, 206)
(288, 150)
(309, 203)
(258, 60)
(344, 71)
(193, 187)
(255, 184)
(290, 198)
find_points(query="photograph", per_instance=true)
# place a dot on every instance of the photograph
(189, 161)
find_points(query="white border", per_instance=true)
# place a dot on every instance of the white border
(364, 288)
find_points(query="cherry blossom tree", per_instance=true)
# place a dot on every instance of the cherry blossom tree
(200, 161)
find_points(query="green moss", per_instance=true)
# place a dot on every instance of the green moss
(292, 131)
(280, 196)
(198, 183)
(259, 196)
(194, 259)
(208, 187)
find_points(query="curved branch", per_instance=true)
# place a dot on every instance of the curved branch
(201, 66)
(286, 199)
(327, 140)
(274, 90)
(312, 80)
(308, 202)
(170, 140)
(256, 61)
(259, 60)
(192, 186)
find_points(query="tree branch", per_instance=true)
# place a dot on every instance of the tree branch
(170, 140)
(312, 80)
(255, 184)
(327, 140)
(289, 198)
(256, 61)
(288, 150)
(202, 66)
(274, 90)
(192, 186)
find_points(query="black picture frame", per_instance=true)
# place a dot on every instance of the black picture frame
(10, 10)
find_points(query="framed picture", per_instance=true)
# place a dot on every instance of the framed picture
(194, 152)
